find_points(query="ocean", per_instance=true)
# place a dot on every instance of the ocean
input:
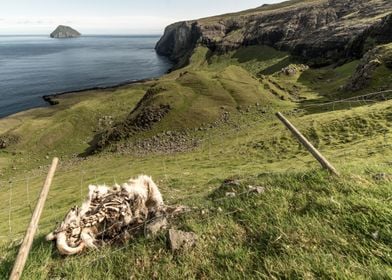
(33, 66)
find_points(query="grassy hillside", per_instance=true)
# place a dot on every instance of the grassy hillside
(305, 225)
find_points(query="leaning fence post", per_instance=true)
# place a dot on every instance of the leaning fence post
(29, 236)
(320, 158)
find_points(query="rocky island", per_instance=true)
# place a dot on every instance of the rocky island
(63, 31)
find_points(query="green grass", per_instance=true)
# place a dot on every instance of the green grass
(306, 225)
(255, 59)
(66, 129)
(318, 218)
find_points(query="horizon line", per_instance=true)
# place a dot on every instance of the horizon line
(91, 34)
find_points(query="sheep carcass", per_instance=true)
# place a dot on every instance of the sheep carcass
(106, 212)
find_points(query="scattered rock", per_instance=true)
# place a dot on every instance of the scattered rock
(293, 69)
(7, 140)
(105, 122)
(163, 143)
(230, 194)
(231, 182)
(257, 189)
(156, 226)
(382, 177)
(181, 240)
(50, 99)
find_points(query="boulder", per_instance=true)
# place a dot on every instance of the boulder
(156, 226)
(181, 240)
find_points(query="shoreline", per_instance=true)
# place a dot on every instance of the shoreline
(30, 94)
(49, 98)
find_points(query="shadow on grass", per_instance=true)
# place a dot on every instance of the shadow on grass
(258, 53)
(328, 85)
(39, 248)
(278, 66)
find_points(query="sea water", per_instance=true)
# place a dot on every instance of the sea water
(33, 66)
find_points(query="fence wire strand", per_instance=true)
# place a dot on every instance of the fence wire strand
(208, 143)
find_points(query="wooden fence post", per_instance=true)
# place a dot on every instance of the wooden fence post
(320, 158)
(29, 236)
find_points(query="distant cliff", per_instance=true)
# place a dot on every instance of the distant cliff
(320, 31)
(63, 31)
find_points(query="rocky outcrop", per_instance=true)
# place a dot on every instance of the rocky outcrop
(142, 118)
(293, 69)
(63, 31)
(7, 140)
(378, 33)
(318, 31)
(373, 59)
(364, 72)
(179, 39)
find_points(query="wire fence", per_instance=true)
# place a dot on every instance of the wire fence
(365, 98)
(21, 200)
(188, 211)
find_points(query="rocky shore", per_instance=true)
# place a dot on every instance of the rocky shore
(51, 98)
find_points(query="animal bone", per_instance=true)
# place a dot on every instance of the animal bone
(106, 213)
(64, 248)
(87, 236)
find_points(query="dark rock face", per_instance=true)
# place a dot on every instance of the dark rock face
(63, 31)
(179, 39)
(363, 75)
(364, 72)
(319, 31)
(378, 33)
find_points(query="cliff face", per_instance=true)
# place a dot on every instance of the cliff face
(63, 31)
(178, 39)
(378, 33)
(321, 31)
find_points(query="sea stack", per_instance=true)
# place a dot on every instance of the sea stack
(63, 31)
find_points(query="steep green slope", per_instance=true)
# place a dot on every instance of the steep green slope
(207, 91)
(191, 130)
(64, 130)
(303, 219)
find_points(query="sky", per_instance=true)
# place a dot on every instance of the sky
(110, 16)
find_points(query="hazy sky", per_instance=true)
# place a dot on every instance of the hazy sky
(110, 16)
